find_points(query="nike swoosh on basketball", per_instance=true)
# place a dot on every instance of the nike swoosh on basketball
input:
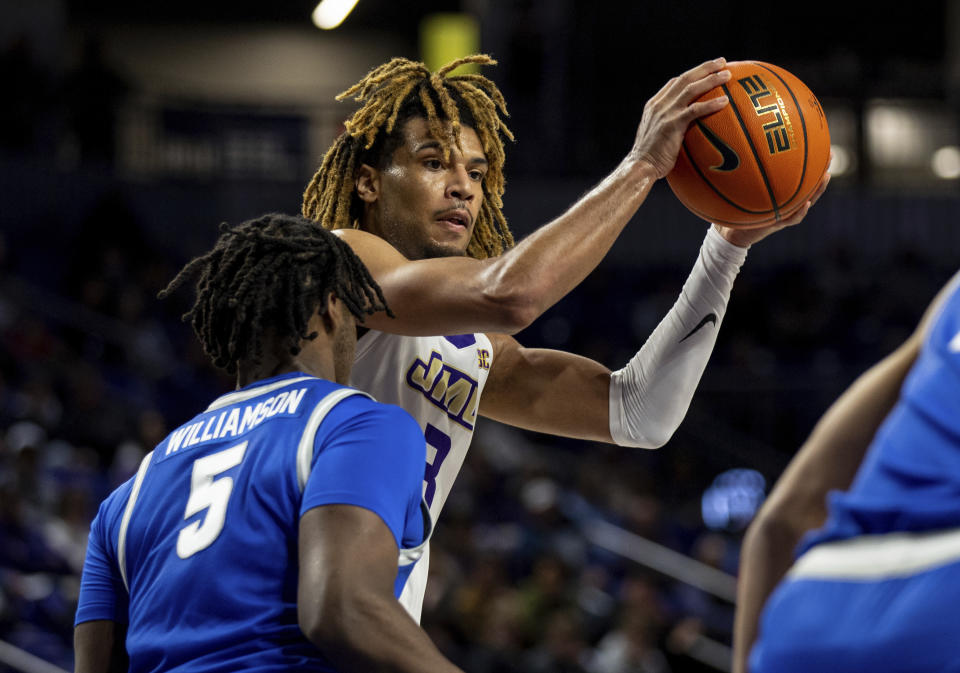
(731, 161)
(710, 317)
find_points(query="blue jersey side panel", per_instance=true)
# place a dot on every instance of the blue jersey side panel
(910, 477)
(211, 546)
(898, 625)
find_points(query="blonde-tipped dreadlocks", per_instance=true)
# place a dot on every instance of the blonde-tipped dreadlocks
(396, 91)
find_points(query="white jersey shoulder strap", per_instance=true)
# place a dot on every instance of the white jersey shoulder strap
(305, 448)
(305, 461)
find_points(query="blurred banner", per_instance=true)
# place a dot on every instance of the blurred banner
(449, 36)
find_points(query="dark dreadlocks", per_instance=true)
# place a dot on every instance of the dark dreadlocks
(391, 94)
(272, 273)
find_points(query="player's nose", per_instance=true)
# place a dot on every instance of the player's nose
(460, 186)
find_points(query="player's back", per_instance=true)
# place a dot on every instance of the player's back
(205, 535)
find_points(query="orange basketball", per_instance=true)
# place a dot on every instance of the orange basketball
(755, 161)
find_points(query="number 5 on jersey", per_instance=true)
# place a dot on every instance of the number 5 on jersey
(206, 492)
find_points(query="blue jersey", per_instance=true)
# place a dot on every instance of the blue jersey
(198, 552)
(910, 477)
(876, 588)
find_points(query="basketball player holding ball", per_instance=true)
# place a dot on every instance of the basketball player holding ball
(759, 158)
(415, 187)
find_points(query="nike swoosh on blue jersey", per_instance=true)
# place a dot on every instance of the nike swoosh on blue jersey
(710, 317)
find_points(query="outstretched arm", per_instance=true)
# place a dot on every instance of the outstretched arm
(506, 293)
(827, 461)
(642, 404)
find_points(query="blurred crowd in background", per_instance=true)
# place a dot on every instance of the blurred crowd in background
(95, 371)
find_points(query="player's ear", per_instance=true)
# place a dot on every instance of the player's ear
(368, 183)
(328, 317)
(336, 314)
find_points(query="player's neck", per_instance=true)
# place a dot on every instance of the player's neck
(315, 362)
(248, 375)
(370, 222)
(243, 381)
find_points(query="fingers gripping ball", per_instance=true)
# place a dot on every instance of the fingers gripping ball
(760, 157)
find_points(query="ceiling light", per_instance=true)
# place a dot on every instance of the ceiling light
(331, 13)
(946, 162)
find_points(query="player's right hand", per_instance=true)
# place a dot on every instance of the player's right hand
(747, 237)
(667, 115)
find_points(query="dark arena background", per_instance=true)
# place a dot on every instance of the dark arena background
(129, 130)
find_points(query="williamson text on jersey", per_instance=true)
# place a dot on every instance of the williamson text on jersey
(233, 422)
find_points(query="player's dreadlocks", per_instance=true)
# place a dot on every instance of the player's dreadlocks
(391, 94)
(271, 273)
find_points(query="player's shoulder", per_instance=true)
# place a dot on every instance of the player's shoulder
(396, 417)
(359, 409)
(360, 421)
(360, 406)
(112, 508)
(369, 247)
(393, 427)
(119, 496)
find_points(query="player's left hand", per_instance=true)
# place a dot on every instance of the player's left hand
(747, 237)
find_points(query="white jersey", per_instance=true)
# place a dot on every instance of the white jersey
(437, 380)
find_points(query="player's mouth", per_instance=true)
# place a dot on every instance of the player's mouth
(457, 219)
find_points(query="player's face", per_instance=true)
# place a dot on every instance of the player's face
(426, 206)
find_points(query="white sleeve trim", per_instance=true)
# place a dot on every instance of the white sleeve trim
(125, 522)
(305, 451)
(650, 396)
(305, 447)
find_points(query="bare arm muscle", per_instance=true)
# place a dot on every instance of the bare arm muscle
(345, 601)
(547, 391)
(99, 647)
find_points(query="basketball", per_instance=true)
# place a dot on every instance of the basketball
(758, 159)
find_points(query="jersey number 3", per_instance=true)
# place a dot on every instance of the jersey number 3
(211, 494)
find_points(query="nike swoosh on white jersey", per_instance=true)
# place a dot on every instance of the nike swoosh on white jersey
(954, 345)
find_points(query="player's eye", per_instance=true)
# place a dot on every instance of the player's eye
(476, 175)
(433, 164)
